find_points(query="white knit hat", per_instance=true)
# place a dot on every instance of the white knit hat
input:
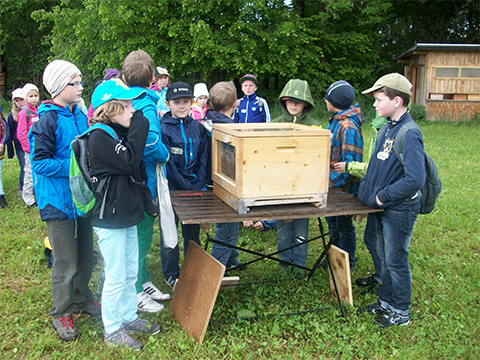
(58, 74)
(27, 88)
(200, 89)
(17, 93)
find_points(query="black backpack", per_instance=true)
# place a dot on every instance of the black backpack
(433, 185)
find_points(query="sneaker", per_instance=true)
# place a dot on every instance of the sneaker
(92, 309)
(122, 339)
(142, 326)
(375, 308)
(146, 304)
(236, 265)
(391, 318)
(366, 282)
(154, 292)
(3, 202)
(65, 328)
(170, 281)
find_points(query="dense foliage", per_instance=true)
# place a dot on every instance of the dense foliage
(320, 41)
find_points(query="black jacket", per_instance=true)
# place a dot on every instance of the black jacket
(128, 196)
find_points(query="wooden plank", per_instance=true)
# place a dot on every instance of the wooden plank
(196, 291)
(341, 269)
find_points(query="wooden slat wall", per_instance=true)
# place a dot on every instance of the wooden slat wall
(452, 110)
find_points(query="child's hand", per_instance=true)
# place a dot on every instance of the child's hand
(248, 223)
(378, 201)
(258, 226)
(339, 167)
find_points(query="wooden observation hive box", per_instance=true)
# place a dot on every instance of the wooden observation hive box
(270, 164)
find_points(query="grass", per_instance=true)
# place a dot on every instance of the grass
(444, 257)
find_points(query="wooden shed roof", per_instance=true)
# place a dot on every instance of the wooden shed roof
(438, 47)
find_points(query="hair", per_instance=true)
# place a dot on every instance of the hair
(15, 110)
(392, 94)
(105, 112)
(138, 69)
(223, 95)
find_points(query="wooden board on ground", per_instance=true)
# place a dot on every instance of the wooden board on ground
(196, 291)
(230, 282)
(341, 270)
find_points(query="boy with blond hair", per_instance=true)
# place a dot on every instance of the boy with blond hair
(139, 72)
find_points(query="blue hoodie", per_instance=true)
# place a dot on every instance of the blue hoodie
(252, 109)
(155, 150)
(49, 139)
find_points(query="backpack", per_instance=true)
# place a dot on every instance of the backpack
(433, 185)
(28, 112)
(82, 183)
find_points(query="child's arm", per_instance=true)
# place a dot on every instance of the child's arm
(266, 111)
(351, 150)
(354, 168)
(154, 148)
(22, 130)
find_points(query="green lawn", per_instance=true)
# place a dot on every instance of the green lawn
(445, 308)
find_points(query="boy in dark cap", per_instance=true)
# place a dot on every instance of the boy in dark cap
(251, 108)
(187, 141)
(347, 146)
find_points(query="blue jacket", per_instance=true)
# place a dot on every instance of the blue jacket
(161, 106)
(155, 150)
(252, 109)
(49, 139)
(187, 141)
(386, 177)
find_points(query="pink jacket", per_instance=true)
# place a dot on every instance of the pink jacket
(23, 126)
(198, 113)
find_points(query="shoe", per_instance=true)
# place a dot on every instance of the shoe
(65, 328)
(368, 281)
(122, 339)
(375, 308)
(391, 318)
(236, 265)
(146, 304)
(3, 202)
(142, 326)
(170, 281)
(92, 309)
(154, 292)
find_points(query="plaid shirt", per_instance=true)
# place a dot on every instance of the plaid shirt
(347, 145)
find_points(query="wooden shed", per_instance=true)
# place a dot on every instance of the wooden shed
(445, 78)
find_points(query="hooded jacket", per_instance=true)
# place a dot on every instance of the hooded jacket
(186, 140)
(346, 145)
(127, 195)
(49, 140)
(24, 125)
(155, 150)
(299, 90)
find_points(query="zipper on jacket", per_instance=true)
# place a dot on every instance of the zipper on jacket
(246, 108)
(191, 148)
(185, 150)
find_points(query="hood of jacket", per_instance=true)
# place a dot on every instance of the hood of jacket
(50, 105)
(299, 90)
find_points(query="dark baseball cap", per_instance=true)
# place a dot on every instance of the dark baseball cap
(179, 90)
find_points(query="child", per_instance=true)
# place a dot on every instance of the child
(393, 186)
(71, 238)
(251, 108)
(138, 72)
(26, 117)
(223, 98)
(162, 82)
(186, 139)
(346, 145)
(297, 102)
(109, 74)
(4, 135)
(124, 206)
(13, 145)
(199, 108)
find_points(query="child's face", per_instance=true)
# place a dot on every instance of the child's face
(125, 118)
(180, 108)
(202, 101)
(249, 87)
(32, 97)
(162, 81)
(295, 108)
(71, 93)
(330, 107)
(384, 106)
(19, 102)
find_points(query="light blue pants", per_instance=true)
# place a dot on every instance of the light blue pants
(287, 232)
(119, 248)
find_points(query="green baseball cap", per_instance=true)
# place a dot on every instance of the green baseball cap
(393, 81)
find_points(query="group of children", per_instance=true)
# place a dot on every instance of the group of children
(160, 125)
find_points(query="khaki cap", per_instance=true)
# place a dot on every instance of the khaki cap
(393, 81)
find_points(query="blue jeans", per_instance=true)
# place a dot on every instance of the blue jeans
(370, 240)
(119, 249)
(346, 238)
(394, 231)
(227, 233)
(170, 257)
(287, 233)
(21, 162)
